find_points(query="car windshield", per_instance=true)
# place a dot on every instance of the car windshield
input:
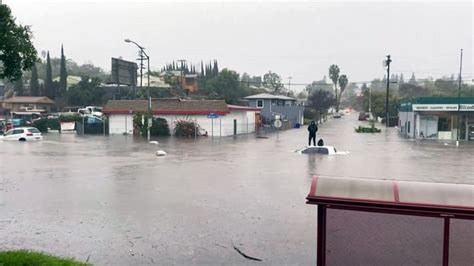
(33, 130)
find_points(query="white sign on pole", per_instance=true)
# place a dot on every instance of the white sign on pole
(277, 124)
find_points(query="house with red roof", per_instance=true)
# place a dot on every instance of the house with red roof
(214, 116)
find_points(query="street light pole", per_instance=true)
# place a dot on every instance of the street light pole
(459, 102)
(388, 61)
(143, 53)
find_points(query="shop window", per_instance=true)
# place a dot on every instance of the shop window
(444, 124)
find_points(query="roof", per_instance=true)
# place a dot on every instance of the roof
(443, 100)
(400, 195)
(29, 99)
(241, 108)
(71, 80)
(269, 96)
(167, 107)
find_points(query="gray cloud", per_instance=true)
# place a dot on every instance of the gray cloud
(293, 39)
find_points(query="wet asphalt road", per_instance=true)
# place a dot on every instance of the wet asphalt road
(110, 199)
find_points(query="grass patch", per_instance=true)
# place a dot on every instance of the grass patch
(33, 258)
(362, 129)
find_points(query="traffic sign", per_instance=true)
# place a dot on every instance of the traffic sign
(212, 115)
(277, 123)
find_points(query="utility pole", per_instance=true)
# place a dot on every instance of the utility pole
(459, 102)
(289, 83)
(387, 63)
(370, 102)
(144, 56)
(140, 53)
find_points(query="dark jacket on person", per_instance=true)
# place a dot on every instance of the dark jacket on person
(312, 128)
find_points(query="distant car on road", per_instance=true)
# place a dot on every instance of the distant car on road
(337, 115)
(23, 134)
(363, 116)
(471, 132)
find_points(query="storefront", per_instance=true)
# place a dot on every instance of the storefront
(437, 118)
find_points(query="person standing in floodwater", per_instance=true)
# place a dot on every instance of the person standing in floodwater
(312, 128)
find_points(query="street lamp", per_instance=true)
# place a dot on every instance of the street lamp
(143, 53)
(387, 64)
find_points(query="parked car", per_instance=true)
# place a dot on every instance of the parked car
(471, 132)
(363, 116)
(23, 134)
(91, 110)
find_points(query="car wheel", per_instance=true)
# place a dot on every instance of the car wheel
(22, 139)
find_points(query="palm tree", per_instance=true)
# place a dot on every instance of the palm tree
(342, 85)
(334, 76)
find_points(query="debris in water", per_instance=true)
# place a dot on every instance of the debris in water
(160, 153)
(245, 255)
(154, 142)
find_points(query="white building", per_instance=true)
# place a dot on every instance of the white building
(437, 118)
(213, 116)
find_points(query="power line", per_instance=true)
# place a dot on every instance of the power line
(354, 82)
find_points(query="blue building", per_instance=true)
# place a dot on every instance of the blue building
(271, 105)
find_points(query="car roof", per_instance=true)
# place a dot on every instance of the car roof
(24, 128)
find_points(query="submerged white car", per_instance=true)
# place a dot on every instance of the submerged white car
(23, 134)
(329, 150)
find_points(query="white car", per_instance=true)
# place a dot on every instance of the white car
(329, 150)
(91, 110)
(23, 134)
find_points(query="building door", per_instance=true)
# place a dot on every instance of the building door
(429, 127)
(258, 121)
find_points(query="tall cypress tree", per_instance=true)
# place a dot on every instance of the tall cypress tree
(34, 83)
(209, 70)
(202, 69)
(215, 70)
(48, 82)
(62, 74)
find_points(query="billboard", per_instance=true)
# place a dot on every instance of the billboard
(124, 72)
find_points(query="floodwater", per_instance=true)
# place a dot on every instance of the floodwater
(111, 201)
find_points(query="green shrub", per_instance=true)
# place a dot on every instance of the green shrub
(362, 129)
(185, 128)
(54, 124)
(41, 125)
(70, 118)
(159, 127)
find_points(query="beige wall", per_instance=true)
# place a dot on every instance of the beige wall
(16, 107)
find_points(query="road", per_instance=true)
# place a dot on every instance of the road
(112, 201)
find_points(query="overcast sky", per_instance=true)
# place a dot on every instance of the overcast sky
(292, 39)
